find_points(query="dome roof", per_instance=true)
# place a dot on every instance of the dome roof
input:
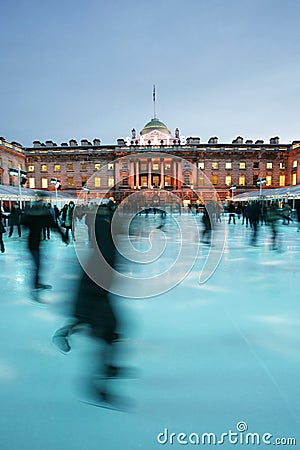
(155, 124)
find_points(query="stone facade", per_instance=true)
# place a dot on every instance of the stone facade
(156, 160)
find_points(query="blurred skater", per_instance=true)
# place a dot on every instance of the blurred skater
(36, 218)
(2, 230)
(14, 219)
(286, 214)
(254, 217)
(46, 229)
(207, 223)
(232, 212)
(93, 307)
(67, 219)
(272, 220)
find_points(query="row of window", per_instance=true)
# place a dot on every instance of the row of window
(70, 167)
(156, 166)
(242, 165)
(97, 166)
(215, 180)
(242, 180)
(70, 182)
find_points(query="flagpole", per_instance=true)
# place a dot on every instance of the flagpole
(154, 101)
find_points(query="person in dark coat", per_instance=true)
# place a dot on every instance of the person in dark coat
(14, 219)
(93, 307)
(298, 217)
(206, 233)
(272, 220)
(245, 213)
(2, 230)
(254, 213)
(67, 219)
(36, 218)
(232, 211)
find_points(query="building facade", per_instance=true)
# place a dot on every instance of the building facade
(155, 162)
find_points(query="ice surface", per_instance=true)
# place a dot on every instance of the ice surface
(208, 356)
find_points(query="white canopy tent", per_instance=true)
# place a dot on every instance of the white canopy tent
(12, 194)
(285, 193)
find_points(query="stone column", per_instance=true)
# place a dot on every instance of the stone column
(137, 173)
(131, 174)
(174, 173)
(149, 173)
(162, 173)
(179, 174)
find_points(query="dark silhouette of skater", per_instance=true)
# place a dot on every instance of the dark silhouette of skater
(272, 220)
(254, 213)
(232, 211)
(67, 219)
(36, 218)
(207, 223)
(2, 230)
(93, 307)
(14, 219)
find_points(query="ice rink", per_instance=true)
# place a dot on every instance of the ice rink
(217, 364)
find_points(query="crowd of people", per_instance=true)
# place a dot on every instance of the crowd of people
(253, 214)
(92, 306)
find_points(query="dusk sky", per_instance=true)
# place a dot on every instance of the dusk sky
(85, 69)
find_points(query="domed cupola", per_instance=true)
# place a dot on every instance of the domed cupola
(155, 125)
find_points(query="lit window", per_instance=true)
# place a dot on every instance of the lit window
(144, 181)
(201, 180)
(143, 167)
(167, 166)
(214, 179)
(214, 165)
(44, 183)
(19, 165)
(268, 180)
(111, 181)
(282, 165)
(201, 165)
(97, 181)
(295, 164)
(242, 165)
(242, 180)
(110, 166)
(70, 166)
(167, 181)
(282, 180)
(228, 180)
(294, 179)
(30, 168)
(97, 166)
(56, 167)
(9, 163)
(228, 165)
(155, 166)
(71, 181)
(83, 167)
(83, 181)
(269, 165)
(31, 183)
(44, 168)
